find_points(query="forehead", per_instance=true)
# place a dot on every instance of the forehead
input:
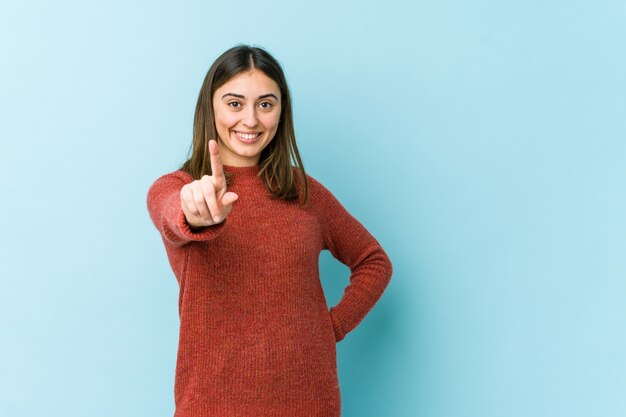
(251, 83)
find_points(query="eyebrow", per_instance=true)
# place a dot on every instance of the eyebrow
(260, 97)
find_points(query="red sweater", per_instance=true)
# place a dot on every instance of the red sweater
(256, 336)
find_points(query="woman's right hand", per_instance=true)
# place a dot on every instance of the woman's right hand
(206, 202)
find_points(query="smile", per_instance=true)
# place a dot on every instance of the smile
(247, 137)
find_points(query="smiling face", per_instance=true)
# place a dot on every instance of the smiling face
(247, 112)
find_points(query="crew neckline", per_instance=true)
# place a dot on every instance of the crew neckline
(251, 170)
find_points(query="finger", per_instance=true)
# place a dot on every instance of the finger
(186, 202)
(208, 192)
(185, 197)
(229, 198)
(217, 167)
(201, 206)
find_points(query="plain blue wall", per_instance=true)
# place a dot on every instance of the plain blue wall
(482, 143)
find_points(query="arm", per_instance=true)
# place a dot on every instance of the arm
(350, 243)
(164, 207)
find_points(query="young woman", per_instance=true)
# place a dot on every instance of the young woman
(243, 229)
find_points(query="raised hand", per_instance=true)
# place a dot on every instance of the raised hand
(205, 201)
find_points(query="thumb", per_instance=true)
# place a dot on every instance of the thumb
(229, 198)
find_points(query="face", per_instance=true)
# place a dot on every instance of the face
(247, 112)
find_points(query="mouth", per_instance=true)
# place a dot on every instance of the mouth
(247, 137)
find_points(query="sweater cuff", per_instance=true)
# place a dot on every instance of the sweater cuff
(179, 232)
(339, 333)
(204, 233)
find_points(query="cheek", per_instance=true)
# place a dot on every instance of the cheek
(225, 119)
(271, 121)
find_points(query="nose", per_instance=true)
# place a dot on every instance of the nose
(249, 117)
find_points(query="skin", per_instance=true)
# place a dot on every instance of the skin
(249, 102)
(205, 201)
(252, 113)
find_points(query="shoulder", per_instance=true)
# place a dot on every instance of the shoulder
(314, 183)
(320, 195)
(315, 186)
(170, 181)
(173, 177)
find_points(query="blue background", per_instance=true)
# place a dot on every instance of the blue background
(482, 143)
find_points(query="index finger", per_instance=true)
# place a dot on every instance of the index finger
(217, 168)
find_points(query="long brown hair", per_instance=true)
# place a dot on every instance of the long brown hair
(276, 169)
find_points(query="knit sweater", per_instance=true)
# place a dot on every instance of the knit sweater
(256, 336)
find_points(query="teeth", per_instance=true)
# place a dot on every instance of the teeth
(247, 136)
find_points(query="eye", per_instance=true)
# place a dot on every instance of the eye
(234, 102)
(269, 105)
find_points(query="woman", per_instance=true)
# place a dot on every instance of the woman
(243, 230)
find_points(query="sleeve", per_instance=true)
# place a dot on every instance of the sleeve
(164, 207)
(350, 243)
